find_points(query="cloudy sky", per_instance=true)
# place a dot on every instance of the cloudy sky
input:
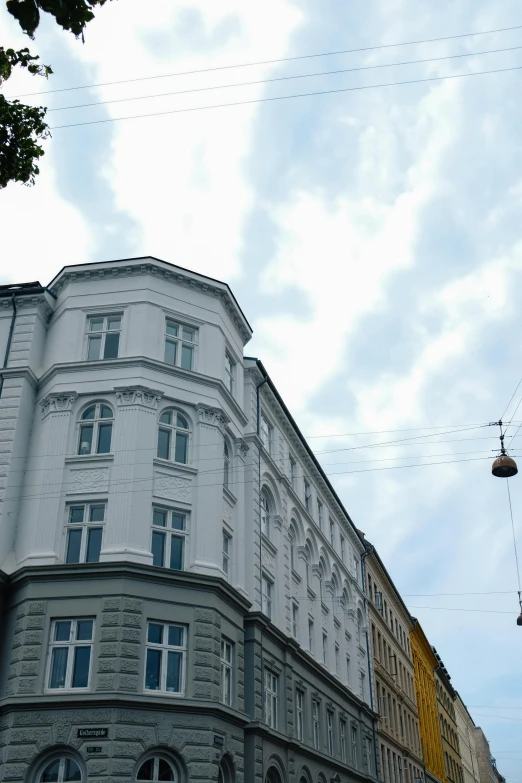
(372, 237)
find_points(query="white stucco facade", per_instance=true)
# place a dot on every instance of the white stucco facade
(468, 751)
(264, 517)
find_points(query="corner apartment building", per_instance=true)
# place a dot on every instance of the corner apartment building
(181, 586)
(391, 624)
(466, 734)
(448, 723)
(425, 663)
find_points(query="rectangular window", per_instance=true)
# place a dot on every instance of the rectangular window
(169, 531)
(337, 659)
(362, 684)
(271, 683)
(342, 739)
(354, 747)
(343, 549)
(293, 473)
(103, 337)
(311, 635)
(230, 371)
(267, 434)
(332, 533)
(320, 514)
(295, 620)
(226, 671)
(165, 659)
(356, 569)
(315, 722)
(369, 755)
(308, 496)
(330, 732)
(70, 652)
(180, 345)
(227, 545)
(325, 648)
(348, 669)
(299, 715)
(266, 604)
(84, 532)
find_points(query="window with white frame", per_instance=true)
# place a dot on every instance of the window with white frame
(330, 731)
(227, 550)
(226, 464)
(63, 769)
(311, 635)
(299, 714)
(293, 473)
(230, 372)
(267, 434)
(325, 648)
(332, 533)
(308, 496)
(362, 684)
(173, 437)
(354, 747)
(103, 337)
(271, 698)
(295, 620)
(165, 658)
(343, 549)
(315, 722)
(169, 532)
(348, 669)
(84, 532)
(180, 344)
(320, 517)
(70, 653)
(342, 739)
(156, 769)
(337, 659)
(95, 429)
(292, 542)
(226, 671)
(266, 598)
(266, 509)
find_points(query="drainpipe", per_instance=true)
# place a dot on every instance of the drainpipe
(9, 340)
(368, 549)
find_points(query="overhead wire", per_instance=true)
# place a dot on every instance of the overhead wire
(273, 61)
(281, 79)
(287, 97)
(514, 542)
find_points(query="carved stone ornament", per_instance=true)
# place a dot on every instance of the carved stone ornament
(138, 395)
(242, 449)
(212, 417)
(173, 487)
(89, 480)
(58, 403)
(268, 561)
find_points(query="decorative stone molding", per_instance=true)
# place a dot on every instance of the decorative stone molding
(173, 487)
(242, 449)
(58, 403)
(212, 417)
(278, 522)
(138, 395)
(89, 480)
(268, 561)
(227, 512)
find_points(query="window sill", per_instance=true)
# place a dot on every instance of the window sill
(229, 495)
(90, 458)
(166, 463)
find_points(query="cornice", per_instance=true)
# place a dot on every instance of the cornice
(60, 402)
(147, 363)
(212, 417)
(23, 302)
(159, 269)
(138, 395)
(20, 372)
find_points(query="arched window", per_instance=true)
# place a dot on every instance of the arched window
(96, 429)
(359, 626)
(320, 575)
(308, 564)
(156, 769)
(173, 437)
(273, 776)
(226, 464)
(60, 770)
(292, 542)
(226, 772)
(265, 514)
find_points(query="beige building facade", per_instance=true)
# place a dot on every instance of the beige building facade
(466, 735)
(394, 688)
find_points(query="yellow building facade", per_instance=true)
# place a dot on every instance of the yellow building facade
(425, 663)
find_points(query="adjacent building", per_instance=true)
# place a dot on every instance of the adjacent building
(425, 663)
(448, 723)
(390, 628)
(487, 767)
(466, 735)
(182, 589)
